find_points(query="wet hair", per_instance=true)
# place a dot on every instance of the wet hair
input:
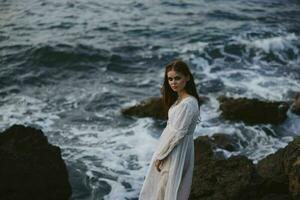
(169, 96)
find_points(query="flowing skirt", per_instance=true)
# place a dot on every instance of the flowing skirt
(175, 179)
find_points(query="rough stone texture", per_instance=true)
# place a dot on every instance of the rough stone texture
(203, 149)
(222, 179)
(31, 168)
(276, 197)
(152, 107)
(224, 141)
(282, 169)
(276, 177)
(296, 105)
(253, 110)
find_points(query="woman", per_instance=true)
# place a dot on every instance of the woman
(169, 176)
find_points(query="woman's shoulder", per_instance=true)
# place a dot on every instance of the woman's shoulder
(190, 102)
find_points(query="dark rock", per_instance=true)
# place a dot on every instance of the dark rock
(203, 149)
(224, 141)
(281, 170)
(276, 197)
(205, 145)
(220, 179)
(253, 110)
(31, 168)
(151, 107)
(272, 169)
(296, 105)
(237, 178)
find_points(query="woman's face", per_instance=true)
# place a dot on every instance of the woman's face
(177, 80)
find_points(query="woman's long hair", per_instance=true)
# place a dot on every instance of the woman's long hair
(169, 96)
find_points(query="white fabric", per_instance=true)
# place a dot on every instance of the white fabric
(176, 148)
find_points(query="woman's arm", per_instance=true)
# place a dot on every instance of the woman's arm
(178, 128)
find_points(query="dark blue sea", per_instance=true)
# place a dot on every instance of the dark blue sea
(69, 66)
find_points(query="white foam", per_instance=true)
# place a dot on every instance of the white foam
(258, 143)
(142, 145)
(27, 110)
(203, 66)
(292, 124)
(270, 88)
(270, 44)
(255, 85)
(198, 46)
(114, 148)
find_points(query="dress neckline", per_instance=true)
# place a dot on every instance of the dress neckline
(189, 96)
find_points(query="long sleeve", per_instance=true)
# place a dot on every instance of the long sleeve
(178, 129)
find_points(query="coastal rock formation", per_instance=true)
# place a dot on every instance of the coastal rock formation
(253, 110)
(222, 179)
(275, 177)
(151, 107)
(224, 141)
(296, 105)
(281, 170)
(31, 168)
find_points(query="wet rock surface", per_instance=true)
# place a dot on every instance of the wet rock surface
(152, 107)
(253, 110)
(31, 168)
(275, 177)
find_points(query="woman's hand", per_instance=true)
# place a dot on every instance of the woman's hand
(158, 164)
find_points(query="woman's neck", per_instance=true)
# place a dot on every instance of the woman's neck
(182, 94)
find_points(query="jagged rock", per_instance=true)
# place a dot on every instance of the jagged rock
(253, 110)
(203, 149)
(222, 179)
(151, 107)
(31, 168)
(224, 141)
(281, 170)
(296, 105)
(275, 177)
(206, 145)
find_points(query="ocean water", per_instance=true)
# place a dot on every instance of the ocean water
(68, 67)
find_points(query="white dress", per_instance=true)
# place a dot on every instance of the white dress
(176, 149)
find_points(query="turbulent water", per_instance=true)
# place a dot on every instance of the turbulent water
(68, 67)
